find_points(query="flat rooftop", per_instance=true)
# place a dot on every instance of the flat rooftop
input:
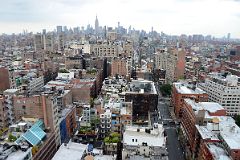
(72, 151)
(142, 86)
(218, 152)
(228, 130)
(186, 89)
(134, 135)
(211, 107)
(18, 155)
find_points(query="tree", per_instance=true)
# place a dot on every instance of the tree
(11, 138)
(91, 102)
(166, 89)
(34, 150)
(237, 119)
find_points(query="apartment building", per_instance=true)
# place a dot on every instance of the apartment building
(183, 90)
(224, 90)
(144, 98)
(74, 62)
(120, 67)
(218, 139)
(199, 113)
(175, 66)
(160, 59)
(105, 123)
(107, 49)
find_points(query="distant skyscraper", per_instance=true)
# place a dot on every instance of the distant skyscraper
(38, 42)
(59, 29)
(229, 36)
(96, 26)
(65, 29)
(44, 31)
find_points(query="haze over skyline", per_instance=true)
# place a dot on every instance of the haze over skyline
(215, 17)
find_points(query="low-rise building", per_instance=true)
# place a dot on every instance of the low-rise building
(71, 150)
(144, 143)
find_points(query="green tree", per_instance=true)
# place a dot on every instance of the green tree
(166, 89)
(91, 102)
(237, 119)
(11, 138)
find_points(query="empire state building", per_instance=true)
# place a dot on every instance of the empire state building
(96, 26)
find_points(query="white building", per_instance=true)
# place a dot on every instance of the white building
(144, 143)
(71, 151)
(225, 91)
(65, 76)
(86, 119)
(105, 122)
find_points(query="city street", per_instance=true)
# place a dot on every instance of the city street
(173, 145)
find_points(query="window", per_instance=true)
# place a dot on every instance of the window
(132, 140)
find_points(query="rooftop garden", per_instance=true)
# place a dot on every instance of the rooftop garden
(86, 130)
(112, 138)
(92, 71)
(63, 71)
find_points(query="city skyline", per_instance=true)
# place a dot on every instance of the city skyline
(216, 17)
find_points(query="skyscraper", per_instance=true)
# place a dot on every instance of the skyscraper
(229, 36)
(59, 29)
(96, 26)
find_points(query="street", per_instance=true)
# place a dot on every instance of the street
(173, 145)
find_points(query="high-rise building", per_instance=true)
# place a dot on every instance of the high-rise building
(144, 98)
(160, 60)
(61, 41)
(96, 26)
(59, 29)
(223, 90)
(48, 42)
(38, 42)
(4, 79)
(175, 65)
(228, 36)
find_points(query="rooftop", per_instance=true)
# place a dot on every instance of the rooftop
(71, 151)
(227, 130)
(226, 80)
(218, 152)
(134, 135)
(142, 86)
(211, 107)
(187, 89)
(12, 154)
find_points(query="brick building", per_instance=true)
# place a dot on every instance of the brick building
(144, 98)
(181, 90)
(4, 79)
(119, 66)
(197, 113)
(83, 90)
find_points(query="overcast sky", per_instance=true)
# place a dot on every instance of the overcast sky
(216, 17)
